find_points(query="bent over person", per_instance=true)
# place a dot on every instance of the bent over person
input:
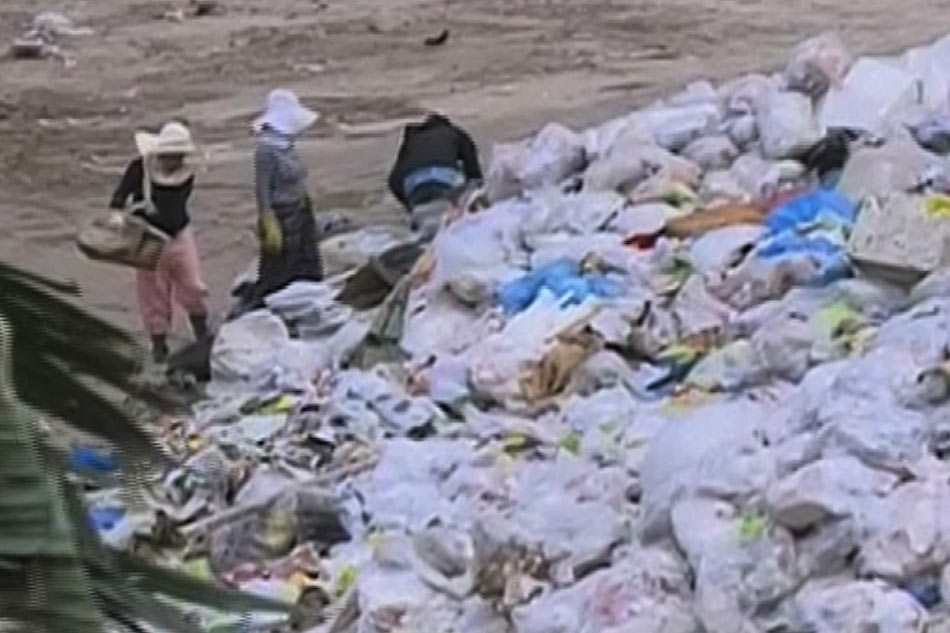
(436, 161)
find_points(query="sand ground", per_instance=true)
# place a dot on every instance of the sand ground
(508, 67)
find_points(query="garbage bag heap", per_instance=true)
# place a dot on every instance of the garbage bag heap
(689, 372)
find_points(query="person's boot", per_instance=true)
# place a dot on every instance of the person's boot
(159, 349)
(199, 325)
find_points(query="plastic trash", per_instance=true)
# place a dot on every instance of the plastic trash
(696, 93)
(872, 97)
(674, 128)
(615, 136)
(787, 124)
(745, 95)
(897, 239)
(933, 133)
(931, 66)
(813, 226)
(832, 606)
(627, 166)
(478, 241)
(724, 248)
(925, 590)
(87, 458)
(830, 487)
(817, 64)
(762, 178)
(898, 165)
(821, 205)
(105, 519)
(712, 152)
(353, 249)
(563, 278)
(742, 130)
(546, 159)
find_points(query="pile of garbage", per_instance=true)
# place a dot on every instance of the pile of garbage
(689, 372)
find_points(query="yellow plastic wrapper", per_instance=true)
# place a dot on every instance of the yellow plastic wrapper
(283, 404)
(937, 205)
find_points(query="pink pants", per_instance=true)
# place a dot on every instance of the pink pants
(176, 279)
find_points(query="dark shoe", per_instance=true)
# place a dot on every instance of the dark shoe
(159, 349)
(199, 325)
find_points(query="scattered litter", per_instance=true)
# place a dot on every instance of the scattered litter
(43, 38)
(688, 371)
(437, 40)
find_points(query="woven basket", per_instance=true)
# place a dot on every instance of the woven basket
(130, 242)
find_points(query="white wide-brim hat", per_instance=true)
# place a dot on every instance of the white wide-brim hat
(285, 114)
(173, 138)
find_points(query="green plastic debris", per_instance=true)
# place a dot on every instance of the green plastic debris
(345, 581)
(572, 443)
(752, 527)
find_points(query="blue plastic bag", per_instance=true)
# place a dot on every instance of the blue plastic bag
(815, 224)
(563, 278)
(833, 262)
(88, 459)
(809, 208)
(104, 519)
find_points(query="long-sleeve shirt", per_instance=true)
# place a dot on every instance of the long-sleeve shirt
(436, 142)
(280, 177)
(170, 202)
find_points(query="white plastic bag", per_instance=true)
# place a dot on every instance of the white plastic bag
(761, 177)
(675, 127)
(787, 124)
(931, 66)
(625, 131)
(696, 93)
(745, 94)
(722, 186)
(712, 152)
(546, 159)
(742, 129)
(628, 166)
(817, 64)
(478, 241)
(245, 350)
(872, 97)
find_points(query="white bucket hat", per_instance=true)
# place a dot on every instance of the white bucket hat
(174, 138)
(285, 114)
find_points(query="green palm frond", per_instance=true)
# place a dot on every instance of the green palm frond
(66, 362)
(46, 589)
(55, 573)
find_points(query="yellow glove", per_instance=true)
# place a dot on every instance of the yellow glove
(272, 241)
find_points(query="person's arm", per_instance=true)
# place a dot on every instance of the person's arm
(268, 227)
(130, 186)
(264, 168)
(395, 186)
(469, 155)
(396, 175)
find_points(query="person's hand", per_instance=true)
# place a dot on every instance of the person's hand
(272, 240)
(116, 220)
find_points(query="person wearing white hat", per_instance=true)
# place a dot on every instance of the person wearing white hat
(156, 186)
(286, 224)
